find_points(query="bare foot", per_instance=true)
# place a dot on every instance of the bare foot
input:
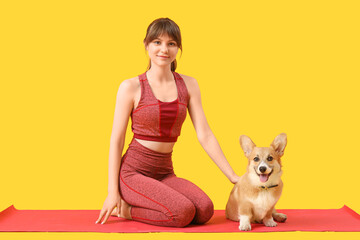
(124, 211)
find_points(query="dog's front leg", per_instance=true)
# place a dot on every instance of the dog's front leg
(245, 224)
(268, 220)
(245, 215)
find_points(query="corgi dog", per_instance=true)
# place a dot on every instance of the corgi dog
(253, 198)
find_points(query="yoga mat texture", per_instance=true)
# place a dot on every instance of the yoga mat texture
(319, 220)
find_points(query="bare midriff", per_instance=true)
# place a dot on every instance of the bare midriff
(163, 147)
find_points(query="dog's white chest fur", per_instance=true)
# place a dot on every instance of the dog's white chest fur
(262, 204)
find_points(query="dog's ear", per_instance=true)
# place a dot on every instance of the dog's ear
(246, 144)
(279, 144)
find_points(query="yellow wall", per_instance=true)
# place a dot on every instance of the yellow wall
(264, 67)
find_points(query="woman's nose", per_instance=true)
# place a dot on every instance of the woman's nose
(164, 48)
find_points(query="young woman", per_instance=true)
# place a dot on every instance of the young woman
(142, 184)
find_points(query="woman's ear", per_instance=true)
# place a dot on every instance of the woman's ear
(146, 46)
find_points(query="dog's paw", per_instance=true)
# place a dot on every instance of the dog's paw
(279, 217)
(245, 227)
(270, 222)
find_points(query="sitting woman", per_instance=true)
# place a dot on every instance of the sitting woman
(142, 183)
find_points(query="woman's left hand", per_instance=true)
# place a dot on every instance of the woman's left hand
(234, 179)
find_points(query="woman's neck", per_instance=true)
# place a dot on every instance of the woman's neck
(160, 74)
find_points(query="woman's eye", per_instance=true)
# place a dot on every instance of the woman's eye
(270, 158)
(157, 42)
(256, 159)
(172, 44)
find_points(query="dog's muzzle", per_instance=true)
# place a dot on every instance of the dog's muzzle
(264, 177)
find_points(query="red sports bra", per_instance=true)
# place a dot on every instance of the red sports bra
(159, 121)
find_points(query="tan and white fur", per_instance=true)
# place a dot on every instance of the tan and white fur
(253, 198)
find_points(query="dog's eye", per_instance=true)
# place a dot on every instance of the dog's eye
(270, 158)
(256, 159)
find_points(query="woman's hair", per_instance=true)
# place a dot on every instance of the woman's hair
(162, 26)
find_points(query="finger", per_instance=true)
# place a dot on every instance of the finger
(100, 216)
(118, 209)
(107, 216)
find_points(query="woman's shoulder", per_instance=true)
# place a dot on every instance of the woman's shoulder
(191, 85)
(130, 85)
(190, 82)
(187, 79)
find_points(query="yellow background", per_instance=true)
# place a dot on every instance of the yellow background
(264, 67)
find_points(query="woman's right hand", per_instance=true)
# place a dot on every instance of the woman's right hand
(112, 200)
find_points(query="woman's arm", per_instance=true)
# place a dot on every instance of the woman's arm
(123, 107)
(204, 134)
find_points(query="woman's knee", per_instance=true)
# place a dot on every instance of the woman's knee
(183, 214)
(204, 211)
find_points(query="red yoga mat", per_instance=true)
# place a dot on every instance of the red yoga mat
(319, 220)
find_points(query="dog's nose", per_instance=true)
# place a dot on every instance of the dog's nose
(262, 169)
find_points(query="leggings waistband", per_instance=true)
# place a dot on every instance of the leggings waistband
(147, 161)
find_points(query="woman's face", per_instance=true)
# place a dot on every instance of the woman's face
(162, 50)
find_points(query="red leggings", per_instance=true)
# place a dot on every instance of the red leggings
(157, 196)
